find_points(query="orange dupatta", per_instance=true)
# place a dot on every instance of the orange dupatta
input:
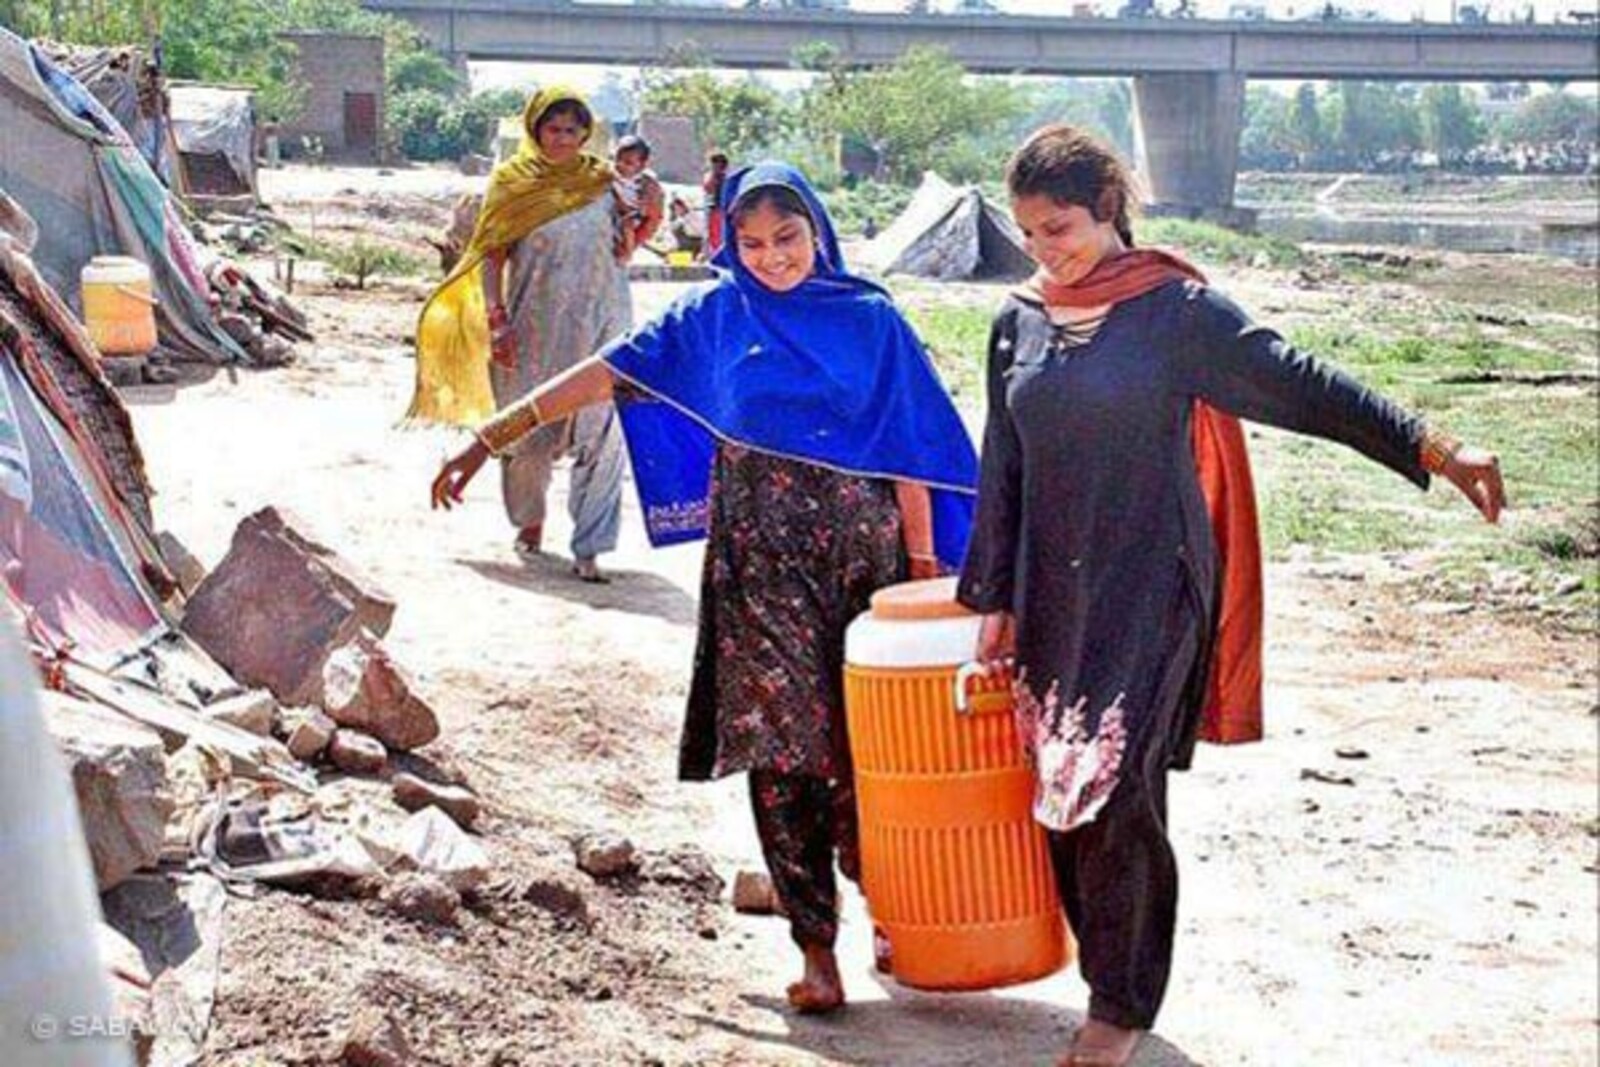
(1232, 709)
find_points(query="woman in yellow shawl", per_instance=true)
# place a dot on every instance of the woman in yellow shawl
(538, 288)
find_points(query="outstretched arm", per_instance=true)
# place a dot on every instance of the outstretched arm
(586, 383)
(1250, 371)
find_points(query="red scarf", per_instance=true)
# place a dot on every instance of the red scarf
(1232, 709)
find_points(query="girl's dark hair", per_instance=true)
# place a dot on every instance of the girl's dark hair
(783, 200)
(633, 143)
(1071, 167)
(576, 110)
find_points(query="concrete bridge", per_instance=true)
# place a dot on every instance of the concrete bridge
(1189, 75)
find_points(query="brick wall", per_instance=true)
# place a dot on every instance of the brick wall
(332, 67)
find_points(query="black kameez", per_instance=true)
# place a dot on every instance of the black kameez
(1093, 530)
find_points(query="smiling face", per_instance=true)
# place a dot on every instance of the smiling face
(779, 248)
(560, 135)
(1064, 239)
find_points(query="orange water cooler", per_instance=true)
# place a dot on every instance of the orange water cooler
(956, 872)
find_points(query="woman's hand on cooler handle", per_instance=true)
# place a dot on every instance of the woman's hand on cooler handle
(997, 641)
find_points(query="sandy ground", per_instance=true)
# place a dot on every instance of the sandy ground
(1436, 908)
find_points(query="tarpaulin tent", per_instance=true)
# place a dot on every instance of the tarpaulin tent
(216, 132)
(129, 85)
(949, 232)
(69, 164)
(77, 554)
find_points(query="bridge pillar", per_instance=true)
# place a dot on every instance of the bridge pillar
(1187, 128)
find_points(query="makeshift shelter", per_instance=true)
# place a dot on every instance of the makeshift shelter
(129, 85)
(215, 128)
(77, 553)
(69, 164)
(949, 232)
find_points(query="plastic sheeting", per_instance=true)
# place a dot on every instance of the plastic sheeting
(64, 561)
(949, 232)
(64, 159)
(212, 121)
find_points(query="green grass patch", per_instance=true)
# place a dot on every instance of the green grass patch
(958, 338)
(1210, 243)
(361, 259)
(1387, 361)
(850, 208)
(1544, 286)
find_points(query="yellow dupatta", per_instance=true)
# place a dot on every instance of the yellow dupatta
(524, 193)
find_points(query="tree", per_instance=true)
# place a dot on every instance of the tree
(1102, 107)
(1551, 118)
(1305, 122)
(1373, 120)
(421, 69)
(739, 117)
(918, 113)
(1452, 126)
(1266, 139)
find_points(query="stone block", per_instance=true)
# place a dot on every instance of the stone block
(278, 603)
(363, 688)
(357, 753)
(118, 770)
(309, 733)
(414, 793)
(255, 710)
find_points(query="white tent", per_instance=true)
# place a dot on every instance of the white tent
(949, 232)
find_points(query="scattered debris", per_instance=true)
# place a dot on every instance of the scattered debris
(559, 891)
(413, 793)
(430, 841)
(362, 687)
(177, 925)
(249, 755)
(355, 752)
(1309, 774)
(309, 733)
(243, 841)
(279, 603)
(605, 855)
(118, 772)
(376, 1040)
(423, 898)
(255, 710)
(754, 894)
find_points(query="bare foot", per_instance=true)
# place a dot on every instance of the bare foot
(821, 990)
(1099, 1044)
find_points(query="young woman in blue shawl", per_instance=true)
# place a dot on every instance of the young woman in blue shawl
(787, 411)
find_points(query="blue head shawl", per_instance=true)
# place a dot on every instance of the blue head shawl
(828, 373)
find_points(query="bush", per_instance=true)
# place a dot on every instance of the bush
(427, 125)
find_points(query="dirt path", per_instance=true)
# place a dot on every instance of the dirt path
(1424, 896)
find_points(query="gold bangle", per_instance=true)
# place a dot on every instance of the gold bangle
(509, 426)
(1438, 449)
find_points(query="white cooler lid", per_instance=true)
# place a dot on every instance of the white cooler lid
(914, 624)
